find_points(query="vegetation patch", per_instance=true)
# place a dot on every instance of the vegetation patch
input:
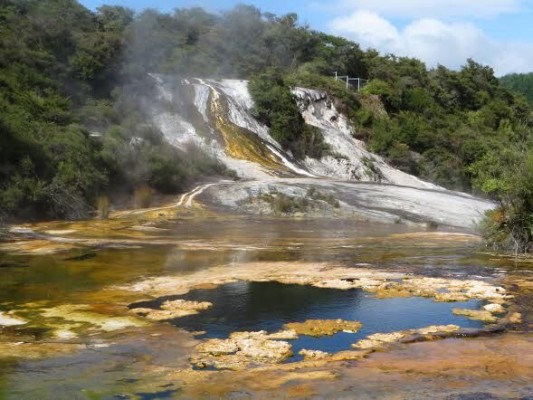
(276, 107)
(281, 203)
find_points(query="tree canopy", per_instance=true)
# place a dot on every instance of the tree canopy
(68, 81)
(519, 83)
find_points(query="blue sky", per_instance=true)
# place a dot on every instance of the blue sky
(498, 33)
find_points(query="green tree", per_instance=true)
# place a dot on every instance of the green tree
(276, 107)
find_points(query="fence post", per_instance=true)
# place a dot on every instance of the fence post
(347, 80)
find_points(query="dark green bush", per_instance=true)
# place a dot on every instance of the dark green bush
(276, 107)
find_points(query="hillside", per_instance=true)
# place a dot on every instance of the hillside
(90, 106)
(519, 83)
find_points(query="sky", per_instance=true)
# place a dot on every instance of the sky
(498, 33)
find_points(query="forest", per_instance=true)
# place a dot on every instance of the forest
(72, 128)
(519, 83)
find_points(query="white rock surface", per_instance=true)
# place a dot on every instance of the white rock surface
(399, 197)
(350, 160)
(367, 201)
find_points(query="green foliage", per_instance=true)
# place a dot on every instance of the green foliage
(507, 175)
(59, 64)
(347, 101)
(519, 83)
(313, 200)
(137, 155)
(316, 195)
(48, 164)
(439, 123)
(276, 107)
(73, 127)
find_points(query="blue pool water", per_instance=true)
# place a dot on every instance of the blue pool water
(253, 306)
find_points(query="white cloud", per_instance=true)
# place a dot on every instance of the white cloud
(434, 8)
(434, 42)
(369, 28)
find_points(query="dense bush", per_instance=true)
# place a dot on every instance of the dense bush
(276, 107)
(69, 132)
(507, 175)
(72, 130)
(520, 83)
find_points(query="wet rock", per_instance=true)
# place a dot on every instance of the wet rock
(288, 334)
(392, 289)
(483, 290)
(242, 349)
(323, 327)
(218, 347)
(9, 320)
(237, 336)
(515, 318)
(186, 305)
(173, 309)
(313, 354)
(451, 297)
(235, 362)
(378, 340)
(479, 315)
(494, 308)
(366, 283)
(340, 284)
(437, 329)
(267, 351)
(258, 347)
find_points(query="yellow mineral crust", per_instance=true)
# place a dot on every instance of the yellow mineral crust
(380, 340)
(479, 315)
(83, 313)
(437, 329)
(241, 143)
(173, 309)
(242, 349)
(382, 283)
(313, 354)
(323, 327)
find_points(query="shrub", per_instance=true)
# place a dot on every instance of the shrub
(276, 107)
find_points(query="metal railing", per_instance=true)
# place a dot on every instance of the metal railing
(356, 83)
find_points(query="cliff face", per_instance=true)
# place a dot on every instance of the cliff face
(216, 116)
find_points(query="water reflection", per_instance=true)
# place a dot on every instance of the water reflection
(252, 306)
(72, 277)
